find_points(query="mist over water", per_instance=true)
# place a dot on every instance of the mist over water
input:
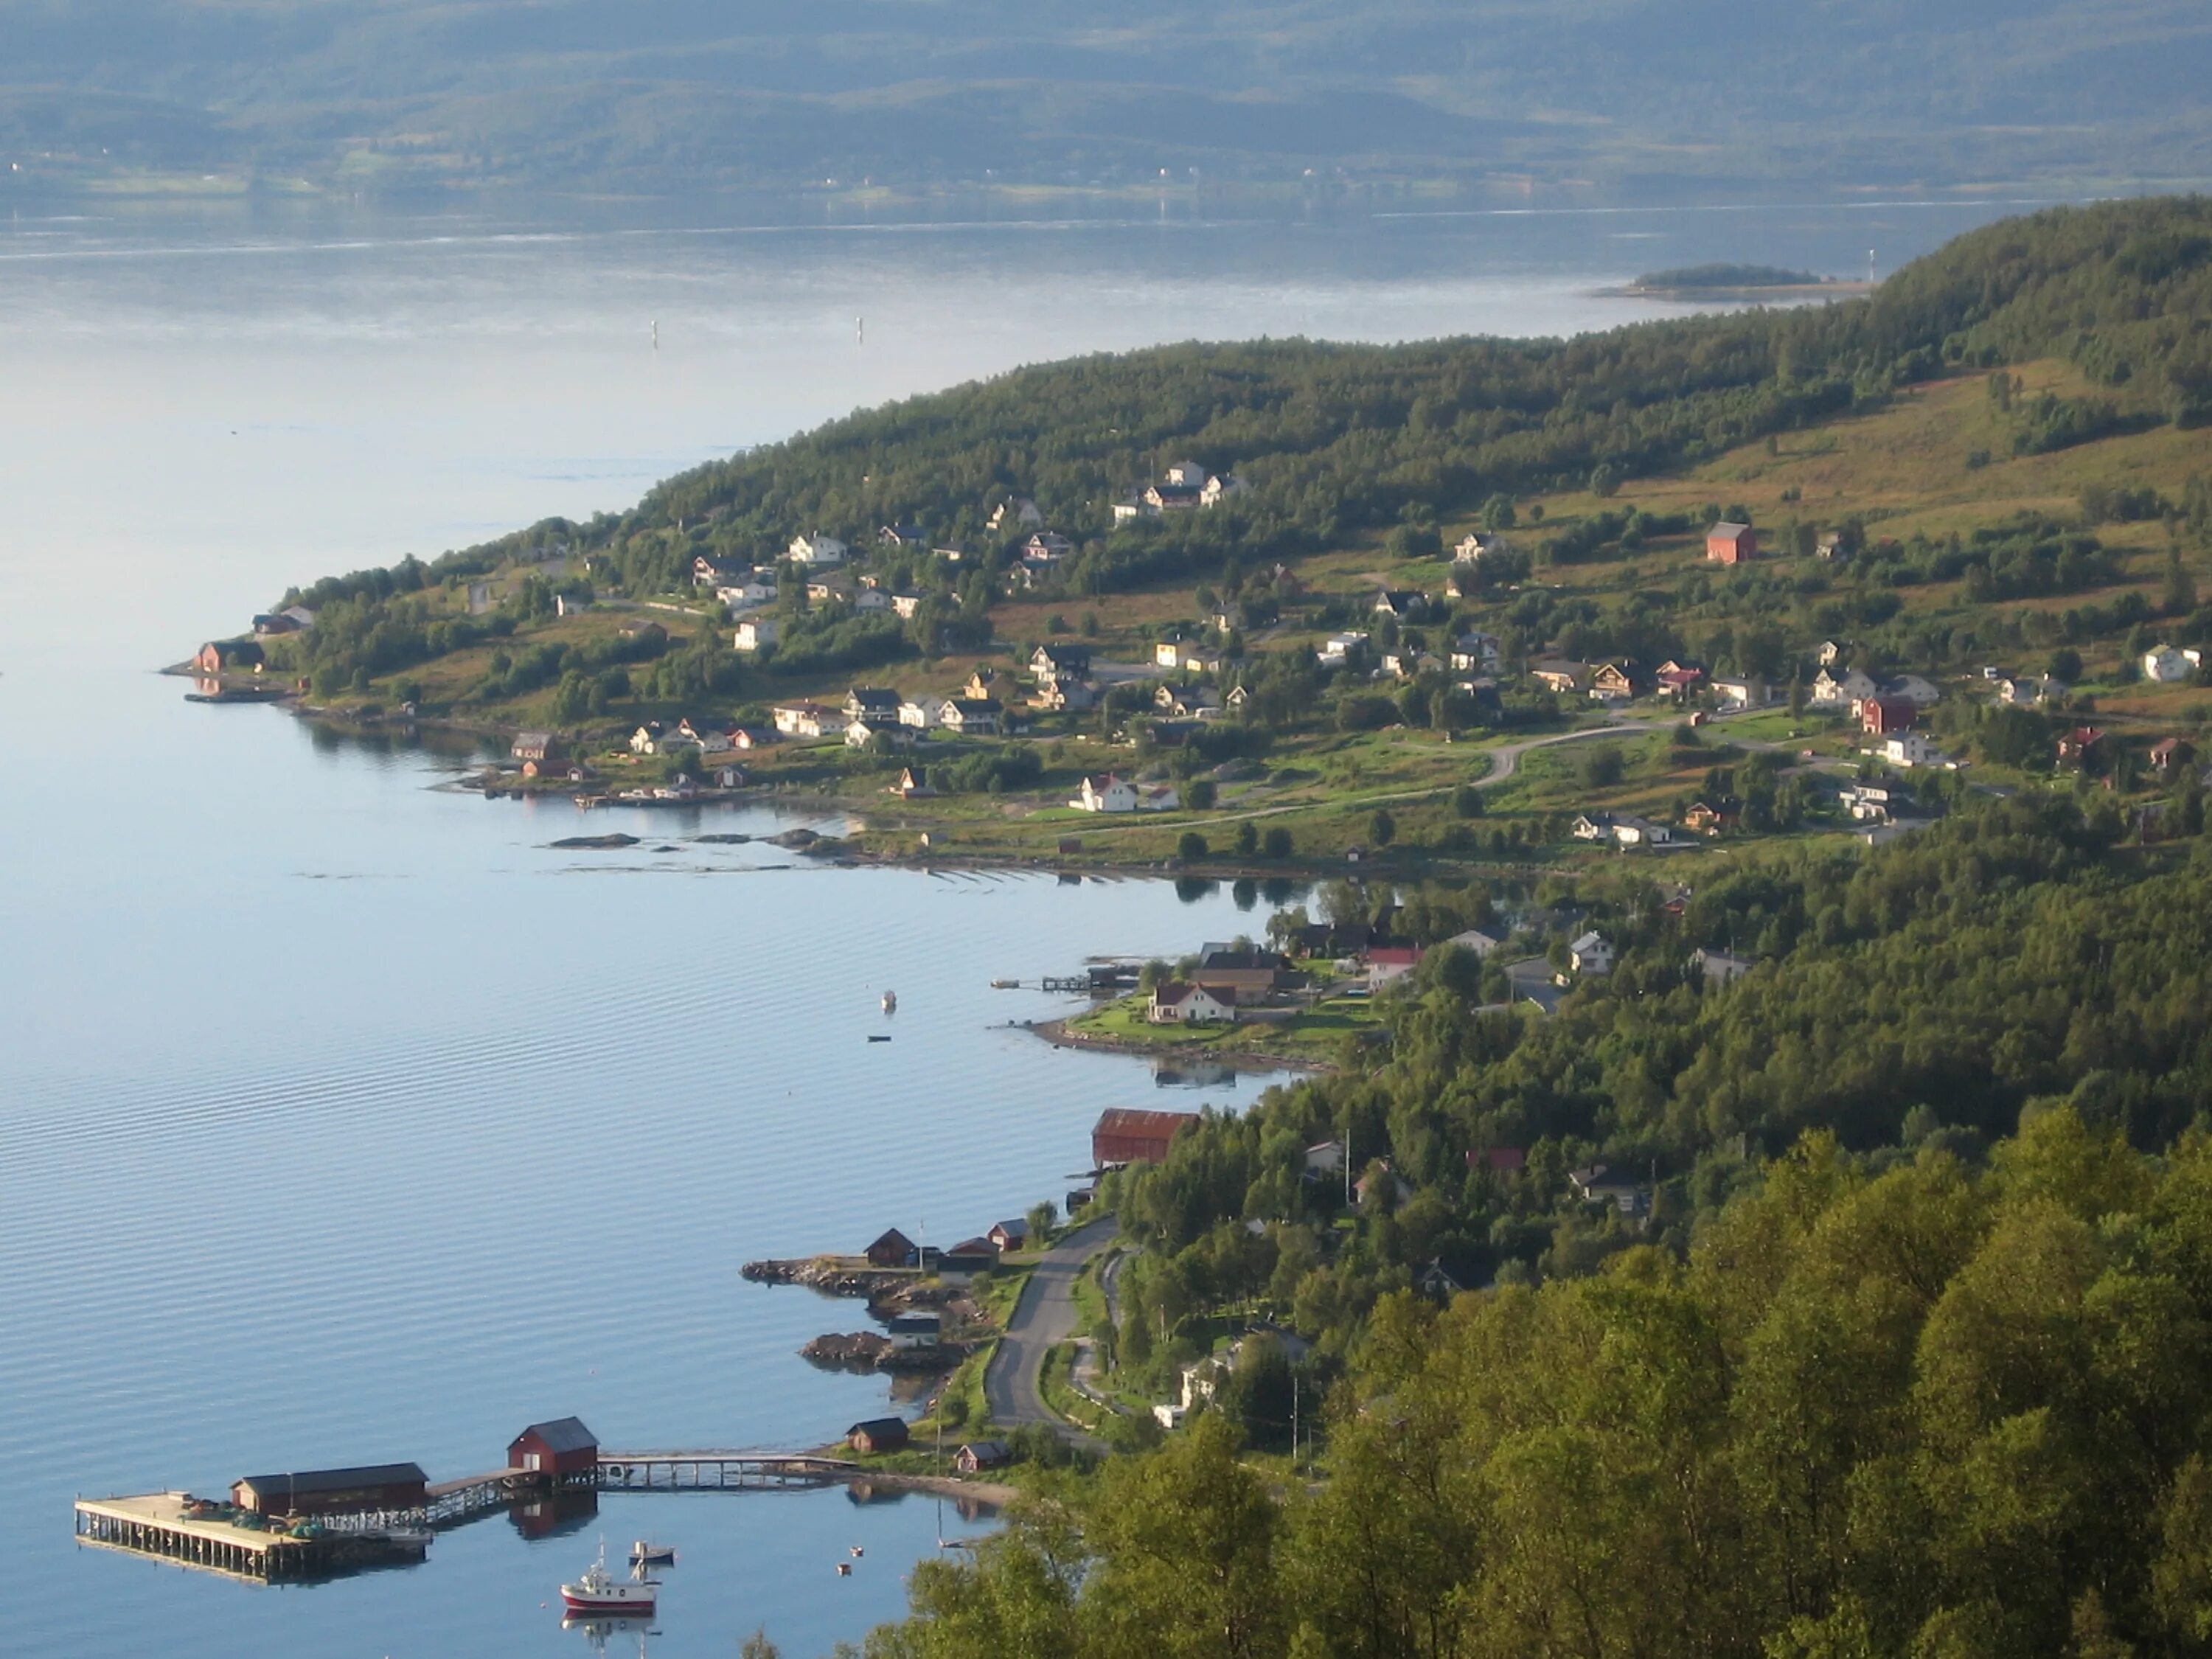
(344, 1120)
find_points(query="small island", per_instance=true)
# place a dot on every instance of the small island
(1723, 281)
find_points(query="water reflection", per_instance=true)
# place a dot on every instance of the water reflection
(554, 1514)
(600, 1633)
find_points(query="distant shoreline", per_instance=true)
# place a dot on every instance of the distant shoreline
(1737, 291)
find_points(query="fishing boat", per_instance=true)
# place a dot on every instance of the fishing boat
(599, 1591)
(652, 1555)
(891, 1002)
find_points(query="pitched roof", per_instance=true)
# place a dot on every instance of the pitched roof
(347, 1480)
(1138, 1120)
(563, 1434)
(1727, 530)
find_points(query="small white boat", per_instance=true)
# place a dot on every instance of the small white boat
(891, 1002)
(652, 1555)
(599, 1591)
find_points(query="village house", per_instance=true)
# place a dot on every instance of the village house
(1177, 1002)
(647, 739)
(1017, 513)
(1337, 649)
(1412, 665)
(1325, 1159)
(1106, 793)
(2164, 664)
(532, 746)
(1921, 691)
(1474, 654)
(817, 550)
(1219, 487)
(892, 1249)
(878, 1434)
(1387, 962)
(709, 572)
(913, 785)
(1880, 717)
(1679, 680)
(872, 702)
(998, 686)
(977, 1456)
(708, 737)
(1873, 803)
(2081, 746)
(1827, 652)
(1474, 546)
(904, 605)
(1741, 691)
(750, 595)
(1555, 674)
(218, 656)
(1598, 1184)
(1631, 832)
(2029, 690)
(968, 1258)
(860, 733)
(1060, 662)
(1910, 749)
(1590, 956)
(1046, 548)
(1845, 691)
(1188, 701)
(1611, 682)
(1010, 1235)
(920, 712)
(1406, 604)
(1711, 818)
(1729, 542)
(2169, 752)
(901, 534)
(1719, 967)
(1126, 1135)
(808, 719)
(757, 635)
(1368, 1185)
(1831, 544)
(1476, 939)
(1064, 697)
(834, 589)
(973, 717)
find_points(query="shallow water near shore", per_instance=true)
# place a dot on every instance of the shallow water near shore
(344, 1118)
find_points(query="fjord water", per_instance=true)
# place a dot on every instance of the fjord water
(342, 1119)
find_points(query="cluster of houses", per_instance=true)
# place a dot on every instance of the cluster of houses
(1228, 983)
(1184, 486)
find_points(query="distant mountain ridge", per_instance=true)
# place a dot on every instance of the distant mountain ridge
(671, 95)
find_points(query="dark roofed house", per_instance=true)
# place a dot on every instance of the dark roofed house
(563, 1449)
(980, 1454)
(1130, 1135)
(1010, 1235)
(893, 1250)
(532, 746)
(332, 1492)
(971, 1255)
(878, 1434)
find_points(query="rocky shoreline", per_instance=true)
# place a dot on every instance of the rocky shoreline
(1056, 1032)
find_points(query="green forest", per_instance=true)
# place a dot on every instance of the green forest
(1901, 1349)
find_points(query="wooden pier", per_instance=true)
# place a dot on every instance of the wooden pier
(156, 1524)
(160, 1526)
(719, 1470)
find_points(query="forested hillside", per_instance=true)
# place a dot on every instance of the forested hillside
(678, 95)
(1957, 1408)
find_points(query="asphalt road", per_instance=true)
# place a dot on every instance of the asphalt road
(1044, 1315)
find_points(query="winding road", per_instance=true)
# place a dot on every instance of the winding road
(1043, 1316)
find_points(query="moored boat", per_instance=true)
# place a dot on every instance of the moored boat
(891, 1002)
(645, 1554)
(600, 1592)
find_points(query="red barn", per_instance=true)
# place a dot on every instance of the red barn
(1881, 716)
(561, 1448)
(1125, 1136)
(1731, 543)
